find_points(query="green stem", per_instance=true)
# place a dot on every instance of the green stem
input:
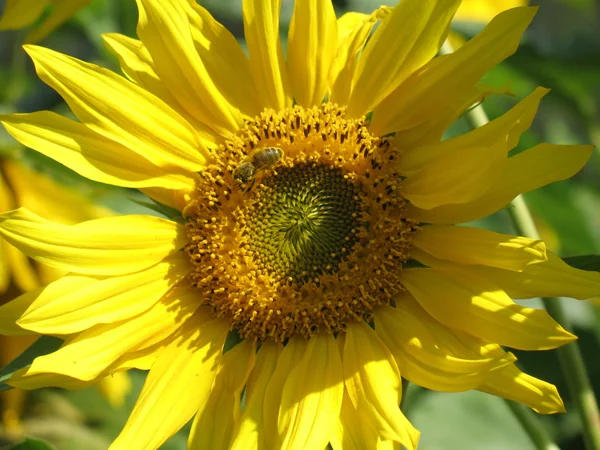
(528, 420)
(570, 357)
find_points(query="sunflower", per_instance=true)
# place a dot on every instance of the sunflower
(307, 256)
(22, 186)
(20, 14)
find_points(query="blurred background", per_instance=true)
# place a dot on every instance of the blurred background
(561, 51)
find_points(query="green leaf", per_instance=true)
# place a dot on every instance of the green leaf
(584, 262)
(466, 420)
(43, 346)
(30, 444)
(567, 208)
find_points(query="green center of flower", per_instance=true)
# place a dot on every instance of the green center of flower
(303, 221)
(297, 225)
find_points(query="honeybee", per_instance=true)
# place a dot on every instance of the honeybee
(259, 159)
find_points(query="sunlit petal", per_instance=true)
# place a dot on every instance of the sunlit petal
(407, 39)
(188, 365)
(463, 300)
(466, 245)
(373, 385)
(430, 354)
(216, 421)
(261, 28)
(312, 43)
(107, 246)
(529, 170)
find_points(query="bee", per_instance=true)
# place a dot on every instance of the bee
(259, 159)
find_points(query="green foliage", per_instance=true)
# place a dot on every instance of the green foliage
(455, 421)
(31, 444)
(584, 262)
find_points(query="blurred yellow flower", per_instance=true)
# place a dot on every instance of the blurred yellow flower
(321, 242)
(21, 186)
(20, 14)
(485, 10)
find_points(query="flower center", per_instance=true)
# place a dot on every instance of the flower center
(296, 226)
(304, 219)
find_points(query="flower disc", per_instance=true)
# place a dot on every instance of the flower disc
(311, 240)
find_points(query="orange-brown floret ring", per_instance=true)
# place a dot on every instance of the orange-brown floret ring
(314, 241)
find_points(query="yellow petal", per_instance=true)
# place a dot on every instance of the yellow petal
(142, 360)
(529, 170)
(432, 131)
(137, 65)
(353, 30)
(107, 246)
(120, 110)
(178, 383)
(312, 396)
(89, 353)
(182, 302)
(311, 48)
(461, 299)
(512, 384)
(75, 303)
(19, 14)
(168, 197)
(447, 78)
(90, 154)
(485, 10)
(373, 384)
(226, 63)
(44, 196)
(115, 388)
(22, 380)
(62, 11)
(291, 353)
(304, 395)
(215, 422)
(552, 278)
(467, 245)
(352, 433)
(432, 355)
(12, 347)
(509, 127)
(7, 202)
(23, 273)
(459, 176)
(250, 434)
(178, 40)
(407, 39)
(12, 310)
(47, 274)
(261, 28)
(4, 266)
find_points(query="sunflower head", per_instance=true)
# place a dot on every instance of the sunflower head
(316, 239)
(300, 187)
